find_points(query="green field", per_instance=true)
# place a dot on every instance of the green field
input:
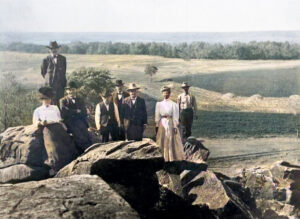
(239, 116)
(267, 82)
(241, 124)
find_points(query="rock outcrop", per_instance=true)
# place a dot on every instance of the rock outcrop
(128, 167)
(81, 196)
(195, 151)
(276, 188)
(23, 155)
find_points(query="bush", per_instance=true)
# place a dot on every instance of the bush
(17, 102)
(92, 82)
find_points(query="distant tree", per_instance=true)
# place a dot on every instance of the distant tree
(92, 82)
(150, 70)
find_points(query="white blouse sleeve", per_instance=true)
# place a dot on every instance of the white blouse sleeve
(157, 114)
(97, 116)
(58, 114)
(35, 118)
(176, 114)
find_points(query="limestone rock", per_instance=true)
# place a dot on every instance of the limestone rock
(82, 196)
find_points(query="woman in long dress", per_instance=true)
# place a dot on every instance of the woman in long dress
(167, 123)
(58, 144)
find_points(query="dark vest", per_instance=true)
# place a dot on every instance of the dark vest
(107, 116)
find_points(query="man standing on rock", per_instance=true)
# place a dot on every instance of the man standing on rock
(53, 70)
(188, 109)
(105, 119)
(74, 114)
(135, 114)
(118, 98)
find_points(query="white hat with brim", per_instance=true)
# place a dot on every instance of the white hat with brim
(132, 86)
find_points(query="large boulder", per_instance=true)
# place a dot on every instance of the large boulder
(26, 155)
(227, 198)
(195, 151)
(22, 155)
(81, 196)
(129, 167)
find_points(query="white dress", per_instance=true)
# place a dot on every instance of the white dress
(166, 119)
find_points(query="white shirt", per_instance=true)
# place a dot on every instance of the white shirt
(98, 114)
(166, 108)
(133, 100)
(49, 113)
(55, 59)
(186, 101)
(120, 96)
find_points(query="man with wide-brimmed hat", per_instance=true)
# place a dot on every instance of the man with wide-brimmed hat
(135, 114)
(58, 144)
(188, 110)
(74, 114)
(53, 70)
(118, 98)
(105, 119)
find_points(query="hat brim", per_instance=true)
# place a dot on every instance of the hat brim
(119, 85)
(137, 88)
(53, 47)
(185, 86)
(43, 97)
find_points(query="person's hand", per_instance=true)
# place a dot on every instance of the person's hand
(145, 126)
(78, 111)
(175, 130)
(44, 123)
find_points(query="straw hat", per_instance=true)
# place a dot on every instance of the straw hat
(132, 86)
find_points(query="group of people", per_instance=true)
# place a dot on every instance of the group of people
(121, 115)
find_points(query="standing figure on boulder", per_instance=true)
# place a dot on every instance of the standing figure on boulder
(74, 114)
(53, 70)
(118, 98)
(58, 144)
(105, 119)
(188, 109)
(135, 114)
(167, 127)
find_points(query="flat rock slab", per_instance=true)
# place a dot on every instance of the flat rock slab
(123, 157)
(77, 196)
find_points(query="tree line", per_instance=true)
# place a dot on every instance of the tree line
(196, 50)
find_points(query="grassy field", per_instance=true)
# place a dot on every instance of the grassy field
(221, 114)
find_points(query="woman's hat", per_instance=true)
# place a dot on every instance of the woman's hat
(119, 83)
(165, 88)
(132, 86)
(53, 45)
(184, 85)
(46, 93)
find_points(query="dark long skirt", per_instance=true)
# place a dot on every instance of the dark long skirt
(59, 146)
(81, 136)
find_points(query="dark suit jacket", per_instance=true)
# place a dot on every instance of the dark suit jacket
(54, 74)
(69, 110)
(118, 107)
(134, 114)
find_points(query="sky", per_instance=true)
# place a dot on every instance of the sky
(149, 15)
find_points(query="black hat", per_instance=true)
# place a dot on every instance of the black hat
(72, 85)
(119, 83)
(46, 93)
(53, 45)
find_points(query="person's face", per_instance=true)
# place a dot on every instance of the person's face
(119, 89)
(186, 89)
(105, 99)
(133, 93)
(166, 94)
(54, 51)
(70, 92)
(46, 101)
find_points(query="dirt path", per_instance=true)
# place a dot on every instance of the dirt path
(229, 156)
